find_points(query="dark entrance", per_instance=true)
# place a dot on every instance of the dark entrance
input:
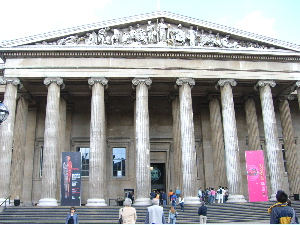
(158, 177)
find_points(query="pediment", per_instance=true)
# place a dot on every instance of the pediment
(158, 29)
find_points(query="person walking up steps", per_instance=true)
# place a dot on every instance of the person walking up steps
(202, 212)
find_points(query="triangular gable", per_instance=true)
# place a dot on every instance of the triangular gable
(117, 32)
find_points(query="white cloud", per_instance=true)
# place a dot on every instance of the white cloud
(256, 22)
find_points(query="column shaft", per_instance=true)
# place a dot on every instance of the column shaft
(175, 156)
(292, 160)
(7, 135)
(187, 140)
(51, 143)
(18, 156)
(252, 125)
(274, 153)
(142, 142)
(217, 143)
(231, 142)
(97, 173)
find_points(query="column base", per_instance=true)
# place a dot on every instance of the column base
(142, 202)
(47, 202)
(96, 202)
(236, 198)
(191, 201)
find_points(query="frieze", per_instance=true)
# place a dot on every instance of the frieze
(155, 33)
(131, 54)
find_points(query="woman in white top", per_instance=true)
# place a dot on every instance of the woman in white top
(128, 213)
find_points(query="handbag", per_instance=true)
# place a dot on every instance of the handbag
(120, 219)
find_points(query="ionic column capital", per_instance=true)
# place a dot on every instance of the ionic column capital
(99, 80)
(59, 81)
(264, 83)
(11, 80)
(222, 83)
(137, 81)
(189, 81)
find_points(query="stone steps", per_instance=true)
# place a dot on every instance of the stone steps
(217, 213)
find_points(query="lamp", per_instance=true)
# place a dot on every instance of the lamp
(3, 112)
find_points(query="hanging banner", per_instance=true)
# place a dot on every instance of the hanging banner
(256, 176)
(71, 179)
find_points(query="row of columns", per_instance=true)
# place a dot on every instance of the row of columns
(97, 179)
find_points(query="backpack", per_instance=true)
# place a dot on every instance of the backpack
(220, 191)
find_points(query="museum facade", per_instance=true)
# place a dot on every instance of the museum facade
(152, 102)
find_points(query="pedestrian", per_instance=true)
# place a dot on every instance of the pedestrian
(200, 194)
(128, 213)
(280, 212)
(172, 215)
(170, 194)
(72, 217)
(155, 213)
(181, 203)
(212, 196)
(174, 200)
(164, 198)
(226, 194)
(177, 192)
(202, 212)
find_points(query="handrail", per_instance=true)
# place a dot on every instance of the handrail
(5, 202)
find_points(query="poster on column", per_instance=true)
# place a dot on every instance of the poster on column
(71, 179)
(256, 176)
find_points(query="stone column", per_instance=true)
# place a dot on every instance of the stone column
(51, 143)
(176, 157)
(62, 141)
(298, 91)
(292, 159)
(252, 124)
(142, 142)
(187, 140)
(98, 144)
(233, 167)
(217, 142)
(18, 156)
(273, 149)
(7, 134)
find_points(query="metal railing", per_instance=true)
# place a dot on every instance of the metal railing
(8, 198)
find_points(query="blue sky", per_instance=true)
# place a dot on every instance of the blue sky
(273, 18)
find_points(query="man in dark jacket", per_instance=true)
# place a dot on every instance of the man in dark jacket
(281, 213)
(202, 212)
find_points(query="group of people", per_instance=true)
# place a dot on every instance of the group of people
(280, 213)
(210, 195)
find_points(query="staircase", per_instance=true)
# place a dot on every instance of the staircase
(217, 213)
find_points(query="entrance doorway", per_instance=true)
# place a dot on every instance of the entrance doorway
(158, 176)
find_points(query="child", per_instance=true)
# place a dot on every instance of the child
(172, 215)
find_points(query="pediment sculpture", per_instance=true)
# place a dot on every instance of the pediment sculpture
(159, 34)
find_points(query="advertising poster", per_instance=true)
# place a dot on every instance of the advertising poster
(256, 176)
(71, 179)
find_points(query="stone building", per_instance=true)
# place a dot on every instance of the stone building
(159, 93)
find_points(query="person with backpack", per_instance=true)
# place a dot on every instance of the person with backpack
(220, 193)
(174, 200)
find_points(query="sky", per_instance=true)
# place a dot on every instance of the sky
(278, 19)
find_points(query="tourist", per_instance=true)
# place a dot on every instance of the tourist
(174, 200)
(295, 217)
(72, 217)
(128, 213)
(202, 212)
(172, 215)
(181, 203)
(281, 213)
(155, 214)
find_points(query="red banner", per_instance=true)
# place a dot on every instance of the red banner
(256, 176)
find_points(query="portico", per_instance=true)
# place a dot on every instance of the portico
(195, 109)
